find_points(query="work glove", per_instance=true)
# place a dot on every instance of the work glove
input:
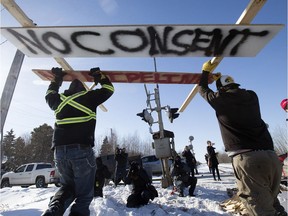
(58, 75)
(208, 66)
(96, 74)
(216, 76)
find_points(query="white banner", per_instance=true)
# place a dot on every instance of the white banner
(142, 40)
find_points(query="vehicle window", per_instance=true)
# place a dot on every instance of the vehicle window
(149, 159)
(29, 168)
(153, 158)
(20, 169)
(43, 166)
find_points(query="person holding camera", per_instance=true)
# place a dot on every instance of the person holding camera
(143, 190)
(190, 159)
(121, 158)
(180, 172)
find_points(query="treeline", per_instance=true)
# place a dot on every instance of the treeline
(36, 147)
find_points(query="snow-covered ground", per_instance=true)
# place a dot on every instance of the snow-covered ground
(32, 201)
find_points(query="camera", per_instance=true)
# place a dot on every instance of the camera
(120, 150)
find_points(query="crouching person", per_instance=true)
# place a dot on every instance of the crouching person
(180, 173)
(142, 190)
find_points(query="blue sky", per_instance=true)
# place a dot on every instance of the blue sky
(266, 73)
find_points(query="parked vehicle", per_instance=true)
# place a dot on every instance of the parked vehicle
(55, 178)
(38, 174)
(151, 162)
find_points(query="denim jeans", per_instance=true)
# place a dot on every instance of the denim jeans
(77, 167)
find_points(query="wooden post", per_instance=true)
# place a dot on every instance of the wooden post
(246, 17)
(24, 20)
(8, 91)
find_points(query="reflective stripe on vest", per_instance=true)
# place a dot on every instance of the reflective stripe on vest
(109, 87)
(70, 100)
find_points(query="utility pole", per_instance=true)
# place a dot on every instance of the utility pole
(8, 92)
(163, 139)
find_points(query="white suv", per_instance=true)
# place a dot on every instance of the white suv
(153, 163)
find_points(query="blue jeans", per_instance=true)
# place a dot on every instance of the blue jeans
(77, 167)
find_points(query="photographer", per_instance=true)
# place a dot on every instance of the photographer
(121, 158)
(180, 173)
(142, 190)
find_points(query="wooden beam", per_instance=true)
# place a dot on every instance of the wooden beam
(23, 19)
(17, 13)
(246, 17)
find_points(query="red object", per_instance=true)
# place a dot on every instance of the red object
(284, 104)
(282, 157)
(130, 76)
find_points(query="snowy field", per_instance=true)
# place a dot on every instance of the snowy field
(32, 201)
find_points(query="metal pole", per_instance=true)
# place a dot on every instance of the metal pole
(166, 179)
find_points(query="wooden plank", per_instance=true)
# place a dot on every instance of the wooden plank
(142, 40)
(25, 21)
(245, 18)
(129, 76)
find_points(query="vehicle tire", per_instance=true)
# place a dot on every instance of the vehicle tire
(40, 182)
(5, 183)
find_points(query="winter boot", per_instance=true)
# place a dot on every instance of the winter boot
(59, 202)
(55, 209)
(283, 213)
(145, 195)
(192, 183)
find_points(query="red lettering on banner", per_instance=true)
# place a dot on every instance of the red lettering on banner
(130, 77)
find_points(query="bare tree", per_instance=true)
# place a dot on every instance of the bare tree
(279, 136)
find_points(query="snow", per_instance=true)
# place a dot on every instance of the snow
(32, 201)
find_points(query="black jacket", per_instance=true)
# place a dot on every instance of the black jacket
(121, 159)
(238, 114)
(140, 181)
(77, 133)
(212, 156)
(190, 159)
(102, 173)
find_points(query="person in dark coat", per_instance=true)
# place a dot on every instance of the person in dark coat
(142, 190)
(247, 141)
(121, 158)
(190, 159)
(212, 160)
(181, 178)
(102, 173)
(73, 139)
(207, 162)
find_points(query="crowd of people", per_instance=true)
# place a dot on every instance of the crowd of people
(244, 133)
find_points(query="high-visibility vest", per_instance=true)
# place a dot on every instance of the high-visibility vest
(70, 100)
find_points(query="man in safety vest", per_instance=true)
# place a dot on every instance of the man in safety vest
(73, 139)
